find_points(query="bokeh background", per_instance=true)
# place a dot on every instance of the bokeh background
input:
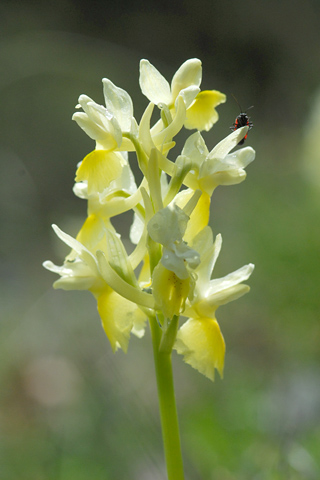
(70, 409)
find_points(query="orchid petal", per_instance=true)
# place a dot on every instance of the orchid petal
(153, 85)
(234, 278)
(189, 73)
(100, 168)
(119, 317)
(227, 144)
(119, 103)
(188, 94)
(201, 343)
(202, 114)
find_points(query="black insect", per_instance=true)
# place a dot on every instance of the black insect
(242, 120)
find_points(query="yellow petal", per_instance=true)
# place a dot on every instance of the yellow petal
(170, 292)
(144, 276)
(202, 344)
(99, 168)
(199, 218)
(202, 114)
(92, 231)
(118, 316)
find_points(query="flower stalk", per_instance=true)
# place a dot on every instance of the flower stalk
(167, 404)
(167, 279)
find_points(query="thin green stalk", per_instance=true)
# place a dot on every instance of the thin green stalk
(167, 406)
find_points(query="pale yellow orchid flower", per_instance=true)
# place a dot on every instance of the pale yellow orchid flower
(199, 339)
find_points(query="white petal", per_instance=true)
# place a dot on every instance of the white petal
(144, 129)
(68, 240)
(93, 130)
(227, 144)
(74, 283)
(81, 250)
(229, 170)
(223, 177)
(174, 127)
(217, 250)
(227, 177)
(84, 102)
(136, 229)
(208, 307)
(190, 73)
(126, 180)
(153, 85)
(75, 275)
(108, 121)
(241, 158)
(80, 189)
(209, 252)
(234, 278)
(139, 253)
(119, 103)
(195, 148)
(134, 129)
(189, 94)
(55, 268)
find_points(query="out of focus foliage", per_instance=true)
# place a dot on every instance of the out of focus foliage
(70, 409)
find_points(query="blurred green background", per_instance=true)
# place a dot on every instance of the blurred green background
(69, 408)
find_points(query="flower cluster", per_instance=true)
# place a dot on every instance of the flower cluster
(168, 274)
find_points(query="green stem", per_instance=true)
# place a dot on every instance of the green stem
(167, 406)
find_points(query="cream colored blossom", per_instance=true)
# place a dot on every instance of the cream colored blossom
(200, 106)
(108, 279)
(168, 273)
(219, 166)
(200, 339)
